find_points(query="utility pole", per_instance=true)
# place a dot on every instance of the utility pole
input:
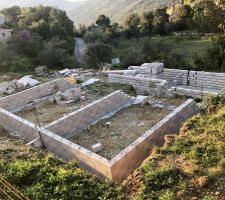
(38, 124)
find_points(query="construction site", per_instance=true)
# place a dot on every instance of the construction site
(108, 121)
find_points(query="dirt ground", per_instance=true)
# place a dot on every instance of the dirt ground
(126, 126)
(48, 112)
(14, 147)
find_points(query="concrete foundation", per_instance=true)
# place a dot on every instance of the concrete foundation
(119, 167)
(20, 99)
(53, 136)
(88, 115)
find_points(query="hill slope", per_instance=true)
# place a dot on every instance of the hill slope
(62, 4)
(117, 10)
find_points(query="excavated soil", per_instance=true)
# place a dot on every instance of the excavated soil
(126, 126)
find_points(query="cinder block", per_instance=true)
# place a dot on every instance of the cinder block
(97, 147)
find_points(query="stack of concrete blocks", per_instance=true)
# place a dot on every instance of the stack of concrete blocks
(207, 80)
(107, 72)
(142, 86)
(74, 94)
(188, 92)
(201, 84)
(148, 69)
(86, 116)
(172, 75)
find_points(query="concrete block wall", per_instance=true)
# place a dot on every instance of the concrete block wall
(86, 116)
(68, 151)
(20, 99)
(132, 157)
(168, 74)
(24, 128)
(207, 80)
(143, 86)
(119, 167)
(175, 74)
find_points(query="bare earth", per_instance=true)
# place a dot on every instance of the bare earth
(48, 112)
(126, 126)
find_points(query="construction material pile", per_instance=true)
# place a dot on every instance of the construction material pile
(69, 96)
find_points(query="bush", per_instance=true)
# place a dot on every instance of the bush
(48, 178)
(213, 103)
(97, 54)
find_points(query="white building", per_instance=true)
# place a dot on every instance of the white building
(5, 34)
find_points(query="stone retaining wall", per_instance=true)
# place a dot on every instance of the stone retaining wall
(84, 117)
(20, 99)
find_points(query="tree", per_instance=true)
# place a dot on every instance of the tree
(161, 18)
(11, 16)
(214, 58)
(97, 54)
(209, 15)
(26, 44)
(114, 30)
(103, 21)
(132, 24)
(54, 54)
(146, 22)
(155, 49)
(181, 14)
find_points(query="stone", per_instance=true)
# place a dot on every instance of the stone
(109, 124)
(11, 91)
(97, 147)
(83, 98)
(174, 83)
(51, 100)
(153, 68)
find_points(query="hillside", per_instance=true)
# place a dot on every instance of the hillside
(117, 10)
(189, 166)
(62, 4)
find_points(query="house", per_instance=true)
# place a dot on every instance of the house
(5, 34)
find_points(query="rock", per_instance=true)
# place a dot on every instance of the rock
(141, 124)
(10, 91)
(202, 181)
(169, 138)
(153, 68)
(83, 98)
(109, 124)
(217, 193)
(68, 96)
(97, 147)
(51, 100)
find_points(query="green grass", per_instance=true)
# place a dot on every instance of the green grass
(185, 47)
(193, 164)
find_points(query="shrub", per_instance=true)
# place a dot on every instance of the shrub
(97, 54)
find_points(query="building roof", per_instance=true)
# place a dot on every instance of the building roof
(5, 30)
